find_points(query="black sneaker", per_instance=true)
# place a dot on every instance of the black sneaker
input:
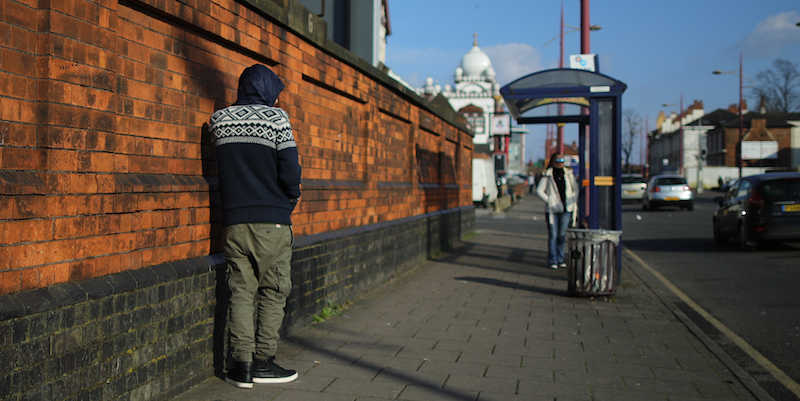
(267, 371)
(241, 375)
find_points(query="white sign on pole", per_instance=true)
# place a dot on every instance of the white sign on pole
(759, 150)
(582, 62)
(501, 124)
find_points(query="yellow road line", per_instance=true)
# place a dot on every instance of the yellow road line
(747, 348)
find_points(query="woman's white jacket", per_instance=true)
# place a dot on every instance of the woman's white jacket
(548, 192)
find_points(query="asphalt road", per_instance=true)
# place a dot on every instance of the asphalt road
(756, 295)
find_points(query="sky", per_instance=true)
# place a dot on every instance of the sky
(664, 51)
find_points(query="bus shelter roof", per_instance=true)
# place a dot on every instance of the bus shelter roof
(562, 85)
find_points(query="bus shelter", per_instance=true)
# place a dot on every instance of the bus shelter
(596, 101)
(599, 101)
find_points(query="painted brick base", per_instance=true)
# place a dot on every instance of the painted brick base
(154, 332)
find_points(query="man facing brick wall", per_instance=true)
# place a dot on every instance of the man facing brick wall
(259, 181)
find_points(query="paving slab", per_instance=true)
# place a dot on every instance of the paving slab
(489, 320)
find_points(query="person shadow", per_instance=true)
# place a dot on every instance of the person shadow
(221, 358)
(531, 264)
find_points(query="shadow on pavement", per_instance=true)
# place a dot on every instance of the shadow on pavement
(505, 259)
(439, 392)
(516, 286)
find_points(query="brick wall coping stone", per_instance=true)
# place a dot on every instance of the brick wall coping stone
(70, 293)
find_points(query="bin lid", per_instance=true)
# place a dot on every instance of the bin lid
(594, 235)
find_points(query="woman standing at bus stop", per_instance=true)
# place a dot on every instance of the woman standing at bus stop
(558, 188)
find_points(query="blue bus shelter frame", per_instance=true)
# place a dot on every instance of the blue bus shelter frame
(604, 119)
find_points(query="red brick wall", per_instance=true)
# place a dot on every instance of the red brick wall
(759, 131)
(104, 161)
(731, 140)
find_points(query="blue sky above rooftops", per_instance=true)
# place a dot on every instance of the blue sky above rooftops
(662, 50)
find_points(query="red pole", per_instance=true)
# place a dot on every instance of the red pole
(641, 151)
(680, 136)
(585, 27)
(585, 49)
(647, 147)
(560, 129)
(741, 118)
(549, 137)
(561, 59)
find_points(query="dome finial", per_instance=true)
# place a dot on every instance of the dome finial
(475, 39)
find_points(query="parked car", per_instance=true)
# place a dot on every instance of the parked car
(729, 183)
(484, 189)
(633, 186)
(512, 179)
(667, 190)
(759, 208)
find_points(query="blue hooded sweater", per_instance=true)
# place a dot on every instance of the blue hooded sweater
(259, 172)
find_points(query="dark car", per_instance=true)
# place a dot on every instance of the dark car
(758, 209)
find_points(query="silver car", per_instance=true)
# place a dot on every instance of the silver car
(667, 190)
(633, 186)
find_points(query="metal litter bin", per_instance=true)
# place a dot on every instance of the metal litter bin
(592, 261)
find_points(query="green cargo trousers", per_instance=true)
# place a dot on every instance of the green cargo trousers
(259, 259)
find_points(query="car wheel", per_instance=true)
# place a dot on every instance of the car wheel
(645, 204)
(719, 238)
(690, 206)
(744, 241)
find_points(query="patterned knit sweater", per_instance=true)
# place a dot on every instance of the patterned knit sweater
(259, 173)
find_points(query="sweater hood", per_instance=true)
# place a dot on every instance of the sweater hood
(259, 85)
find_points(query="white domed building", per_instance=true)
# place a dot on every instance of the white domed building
(476, 96)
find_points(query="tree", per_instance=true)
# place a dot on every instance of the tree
(632, 126)
(778, 87)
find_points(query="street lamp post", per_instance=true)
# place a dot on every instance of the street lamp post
(700, 157)
(560, 126)
(585, 27)
(646, 164)
(739, 160)
(741, 115)
(680, 133)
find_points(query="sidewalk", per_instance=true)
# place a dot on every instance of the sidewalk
(489, 321)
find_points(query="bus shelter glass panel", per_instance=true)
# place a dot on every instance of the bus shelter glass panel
(607, 167)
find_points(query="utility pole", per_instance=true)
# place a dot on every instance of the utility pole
(585, 27)
(560, 126)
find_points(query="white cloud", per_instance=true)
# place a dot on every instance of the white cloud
(772, 34)
(513, 60)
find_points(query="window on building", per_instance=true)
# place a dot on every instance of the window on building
(476, 121)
